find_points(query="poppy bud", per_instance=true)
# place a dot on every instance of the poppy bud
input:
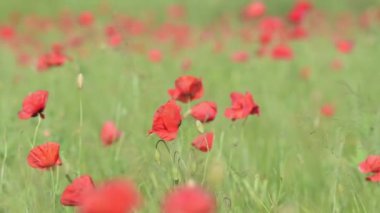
(175, 174)
(199, 126)
(80, 80)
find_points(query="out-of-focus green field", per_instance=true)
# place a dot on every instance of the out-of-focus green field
(289, 159)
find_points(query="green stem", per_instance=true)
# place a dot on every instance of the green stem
(53, 188)
(80, 129)
(36, 131)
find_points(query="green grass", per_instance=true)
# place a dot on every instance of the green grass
(289, 159)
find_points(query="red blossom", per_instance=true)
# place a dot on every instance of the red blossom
(240, 57)
(34, 105)
(188, 199)
(109, 133)
(204, 142)
(166, 121)
(205, 111)
(86, 19)
(328, 110)
(187, 88)
(115, 196)
(75, 193)
(282, 52)
(44, 156)
(155, 55)
(253, 10)
(243, 105)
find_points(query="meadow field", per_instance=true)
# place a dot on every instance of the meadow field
(304, 147)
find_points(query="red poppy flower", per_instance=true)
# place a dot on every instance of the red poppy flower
(265, 38)
(7, 33)
(114, 38)
(86, 19)
(204, 142)
(344, 46)
(204, 111)
(243, 105)
(55, 58)
(188, 199)
(371, 164)
(74, 194)
(299, 11)
(116, 196)
(282, 51)
(240, 57)
(328, 110)
(34, 105)
(155, 55)
(166, 121)
(109, 133)
(187, 88)
(253, 10)
(44, 156)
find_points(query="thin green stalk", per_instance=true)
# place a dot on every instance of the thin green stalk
(2, 173)
(53, 188)
(36, 131)
(80, 129)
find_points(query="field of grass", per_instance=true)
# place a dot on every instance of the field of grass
(291, 158)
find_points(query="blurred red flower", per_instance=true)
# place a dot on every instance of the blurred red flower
(205, 111)
(188, 199)
(243, 105)
(253, 10)
(298, 32)
(86, 19)
(204, 142)
(344, 46)
(155, 55)
(115, 196)
(114, 38)
(240, 57)
(187, 88)
(328, 110)
(282, 51)
(34, 105)
(299, 11)
(7, 33)
(75, 193)
(55, 58)
(44, 156)
(109, 133)
(166, 121)
(371, 165)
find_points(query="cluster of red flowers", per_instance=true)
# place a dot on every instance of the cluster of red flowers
(273, 35)
(120, 195)
(167, 119)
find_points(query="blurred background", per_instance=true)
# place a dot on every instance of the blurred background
(198, 10)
